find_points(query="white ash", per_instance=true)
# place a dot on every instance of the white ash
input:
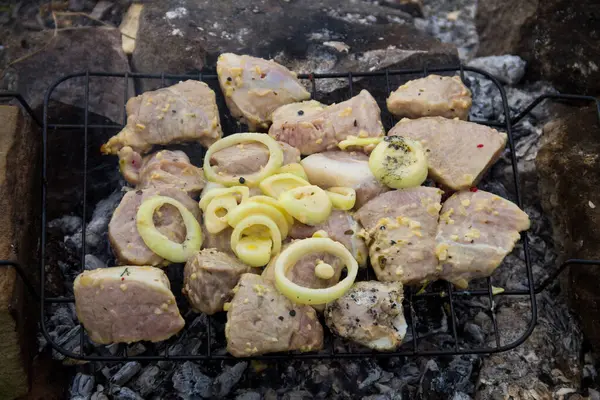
(508, 69)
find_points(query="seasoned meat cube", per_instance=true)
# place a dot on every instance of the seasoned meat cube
(164, 168)
(261, 320)
(219, 241)
(431, 96)
(458, 152)
(400, 228)
(185, 112)
(314, 132)
(341, 227)
(249, 157)
(370, 313)
(126, 304)
(126, 242)
(476, 231)
(303, 272)
(339, 168)
(254, 88)
(209, 277)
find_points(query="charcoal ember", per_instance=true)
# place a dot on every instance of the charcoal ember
(69, 341)
(507, 68)
(82, 387)
(248, 396)
(125, 374)
(461, 396)
(96, 230)
(320, 379)
(110, 370)
(66, 225)
(228, 379)
(99, 395)
(135, 349)
(474, 333)
(149, 380)
(373, 377)
(124, 393)
(190, 382)
(298, 395)
(93, 262)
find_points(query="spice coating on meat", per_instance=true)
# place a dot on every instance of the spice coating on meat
(185, 112)
(347, 169)
(400, 228)
(247, 158)
(370, 313)
(313, 132)
(126, 242)
(255, 87)
(458, 152)
(431, 96)
(261, 320)
(126, 304)
(208, 278)
(476, 231)
(164, 168)
(341, 227)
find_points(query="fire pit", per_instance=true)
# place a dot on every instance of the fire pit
(438, 316)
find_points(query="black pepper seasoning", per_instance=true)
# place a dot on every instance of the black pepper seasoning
(242, 180)
(229, 78)
(300, 112)
(280, 318)
(292, 313)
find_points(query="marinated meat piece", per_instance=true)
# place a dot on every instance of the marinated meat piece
(314, 132)
(476, 231)
(255, 87)
(370, 313)
(249, 157)
(303, 272)
(458, 152)
(126, 242)
(433, 95)
(126, 304)
(400, 229)
(341, 227)
(219, 241)
(261, 320)
(185, 112)
(164, 168)
(208, 278)
(339, 168)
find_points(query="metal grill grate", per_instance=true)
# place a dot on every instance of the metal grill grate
(442, 291)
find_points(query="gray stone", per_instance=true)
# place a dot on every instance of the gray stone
(125, 374)
(559, 39)
(507, 68)
(182, 36)
(571, 148)
(71, 51)
(190, 382)
(228, 379)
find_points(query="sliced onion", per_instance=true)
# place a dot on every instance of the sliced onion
(275, 159)
(215, 223)
(241, 193)
(359, 142)
(342, 198)
(275, 203)
(159, 243)
(294, 168)
(254, 251)
(248, 208)
(276, 184)
(308, 204)
(250, 221)
(304, 295)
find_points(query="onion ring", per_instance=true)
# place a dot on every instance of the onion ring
(249, 221)
(301, 294)
(159, 243)
(253, 179)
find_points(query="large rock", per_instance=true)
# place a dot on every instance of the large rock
(569, 170)
(19, 186)
(78, 50)
(181, 36)
(560, 39)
